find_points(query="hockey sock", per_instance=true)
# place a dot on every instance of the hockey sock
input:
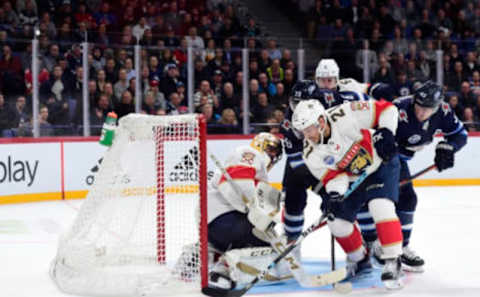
(406, 219)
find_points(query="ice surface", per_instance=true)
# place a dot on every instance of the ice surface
(445, 234)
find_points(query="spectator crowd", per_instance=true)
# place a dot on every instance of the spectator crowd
(400, 39)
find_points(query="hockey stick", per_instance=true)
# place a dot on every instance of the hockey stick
(328, 278)
(305, 280)
(420, 173)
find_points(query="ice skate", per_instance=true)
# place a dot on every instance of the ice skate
(391, 274)
(411, 261)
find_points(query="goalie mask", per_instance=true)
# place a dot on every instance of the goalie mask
(327, 68)
(307, 114)
(270, 145)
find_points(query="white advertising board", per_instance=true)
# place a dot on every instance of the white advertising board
(30, 168)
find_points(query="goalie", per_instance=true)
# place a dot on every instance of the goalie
(242, 207)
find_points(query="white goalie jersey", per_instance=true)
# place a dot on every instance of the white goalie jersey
(349, 150)
(246, 166)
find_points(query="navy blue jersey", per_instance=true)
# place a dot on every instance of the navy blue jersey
(412, 135)
(293, 140)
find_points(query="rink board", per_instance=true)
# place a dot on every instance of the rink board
(64, 168)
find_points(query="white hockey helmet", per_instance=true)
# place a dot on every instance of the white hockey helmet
(327, 68)
(307, 113)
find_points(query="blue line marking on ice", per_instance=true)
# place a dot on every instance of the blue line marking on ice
(370, 280)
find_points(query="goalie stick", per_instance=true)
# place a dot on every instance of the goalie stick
(325, 279)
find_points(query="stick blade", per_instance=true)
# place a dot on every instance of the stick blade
(328, 278)
(218, 292)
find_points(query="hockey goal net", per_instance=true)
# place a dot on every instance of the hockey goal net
(142, 229)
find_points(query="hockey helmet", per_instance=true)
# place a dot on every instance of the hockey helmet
(429, 94)
(301, 90)
(270, 145)
(307, 113)
(326, 68)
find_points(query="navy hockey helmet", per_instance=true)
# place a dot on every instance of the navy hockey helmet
(301, 90)
(429, 94)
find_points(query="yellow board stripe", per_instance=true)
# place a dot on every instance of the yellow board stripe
(37, 197)
(446, 182)
(30, 197)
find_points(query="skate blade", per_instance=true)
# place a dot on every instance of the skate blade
(393, 284)
(418, 269)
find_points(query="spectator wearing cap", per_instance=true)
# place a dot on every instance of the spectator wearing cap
(181, 91)
(217, 82)
(155, 89)
(168, 84)
(170, 39)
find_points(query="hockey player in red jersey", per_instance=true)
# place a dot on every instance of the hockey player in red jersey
(341, 144)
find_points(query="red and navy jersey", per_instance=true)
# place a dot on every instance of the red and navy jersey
(412, 135)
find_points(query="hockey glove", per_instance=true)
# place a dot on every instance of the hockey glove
(384, 143)
(444, 156)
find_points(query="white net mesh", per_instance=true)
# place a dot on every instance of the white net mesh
(137, 232)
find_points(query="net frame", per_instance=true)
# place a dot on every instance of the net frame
(79, 280)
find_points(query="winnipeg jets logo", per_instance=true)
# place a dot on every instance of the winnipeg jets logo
(329, 99)
(402, 116)
(445, 108)
(415, 138)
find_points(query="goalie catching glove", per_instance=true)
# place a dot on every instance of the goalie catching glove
(264, 211)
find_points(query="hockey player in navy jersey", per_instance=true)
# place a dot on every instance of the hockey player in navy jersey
(327, 75)
(421, 116)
